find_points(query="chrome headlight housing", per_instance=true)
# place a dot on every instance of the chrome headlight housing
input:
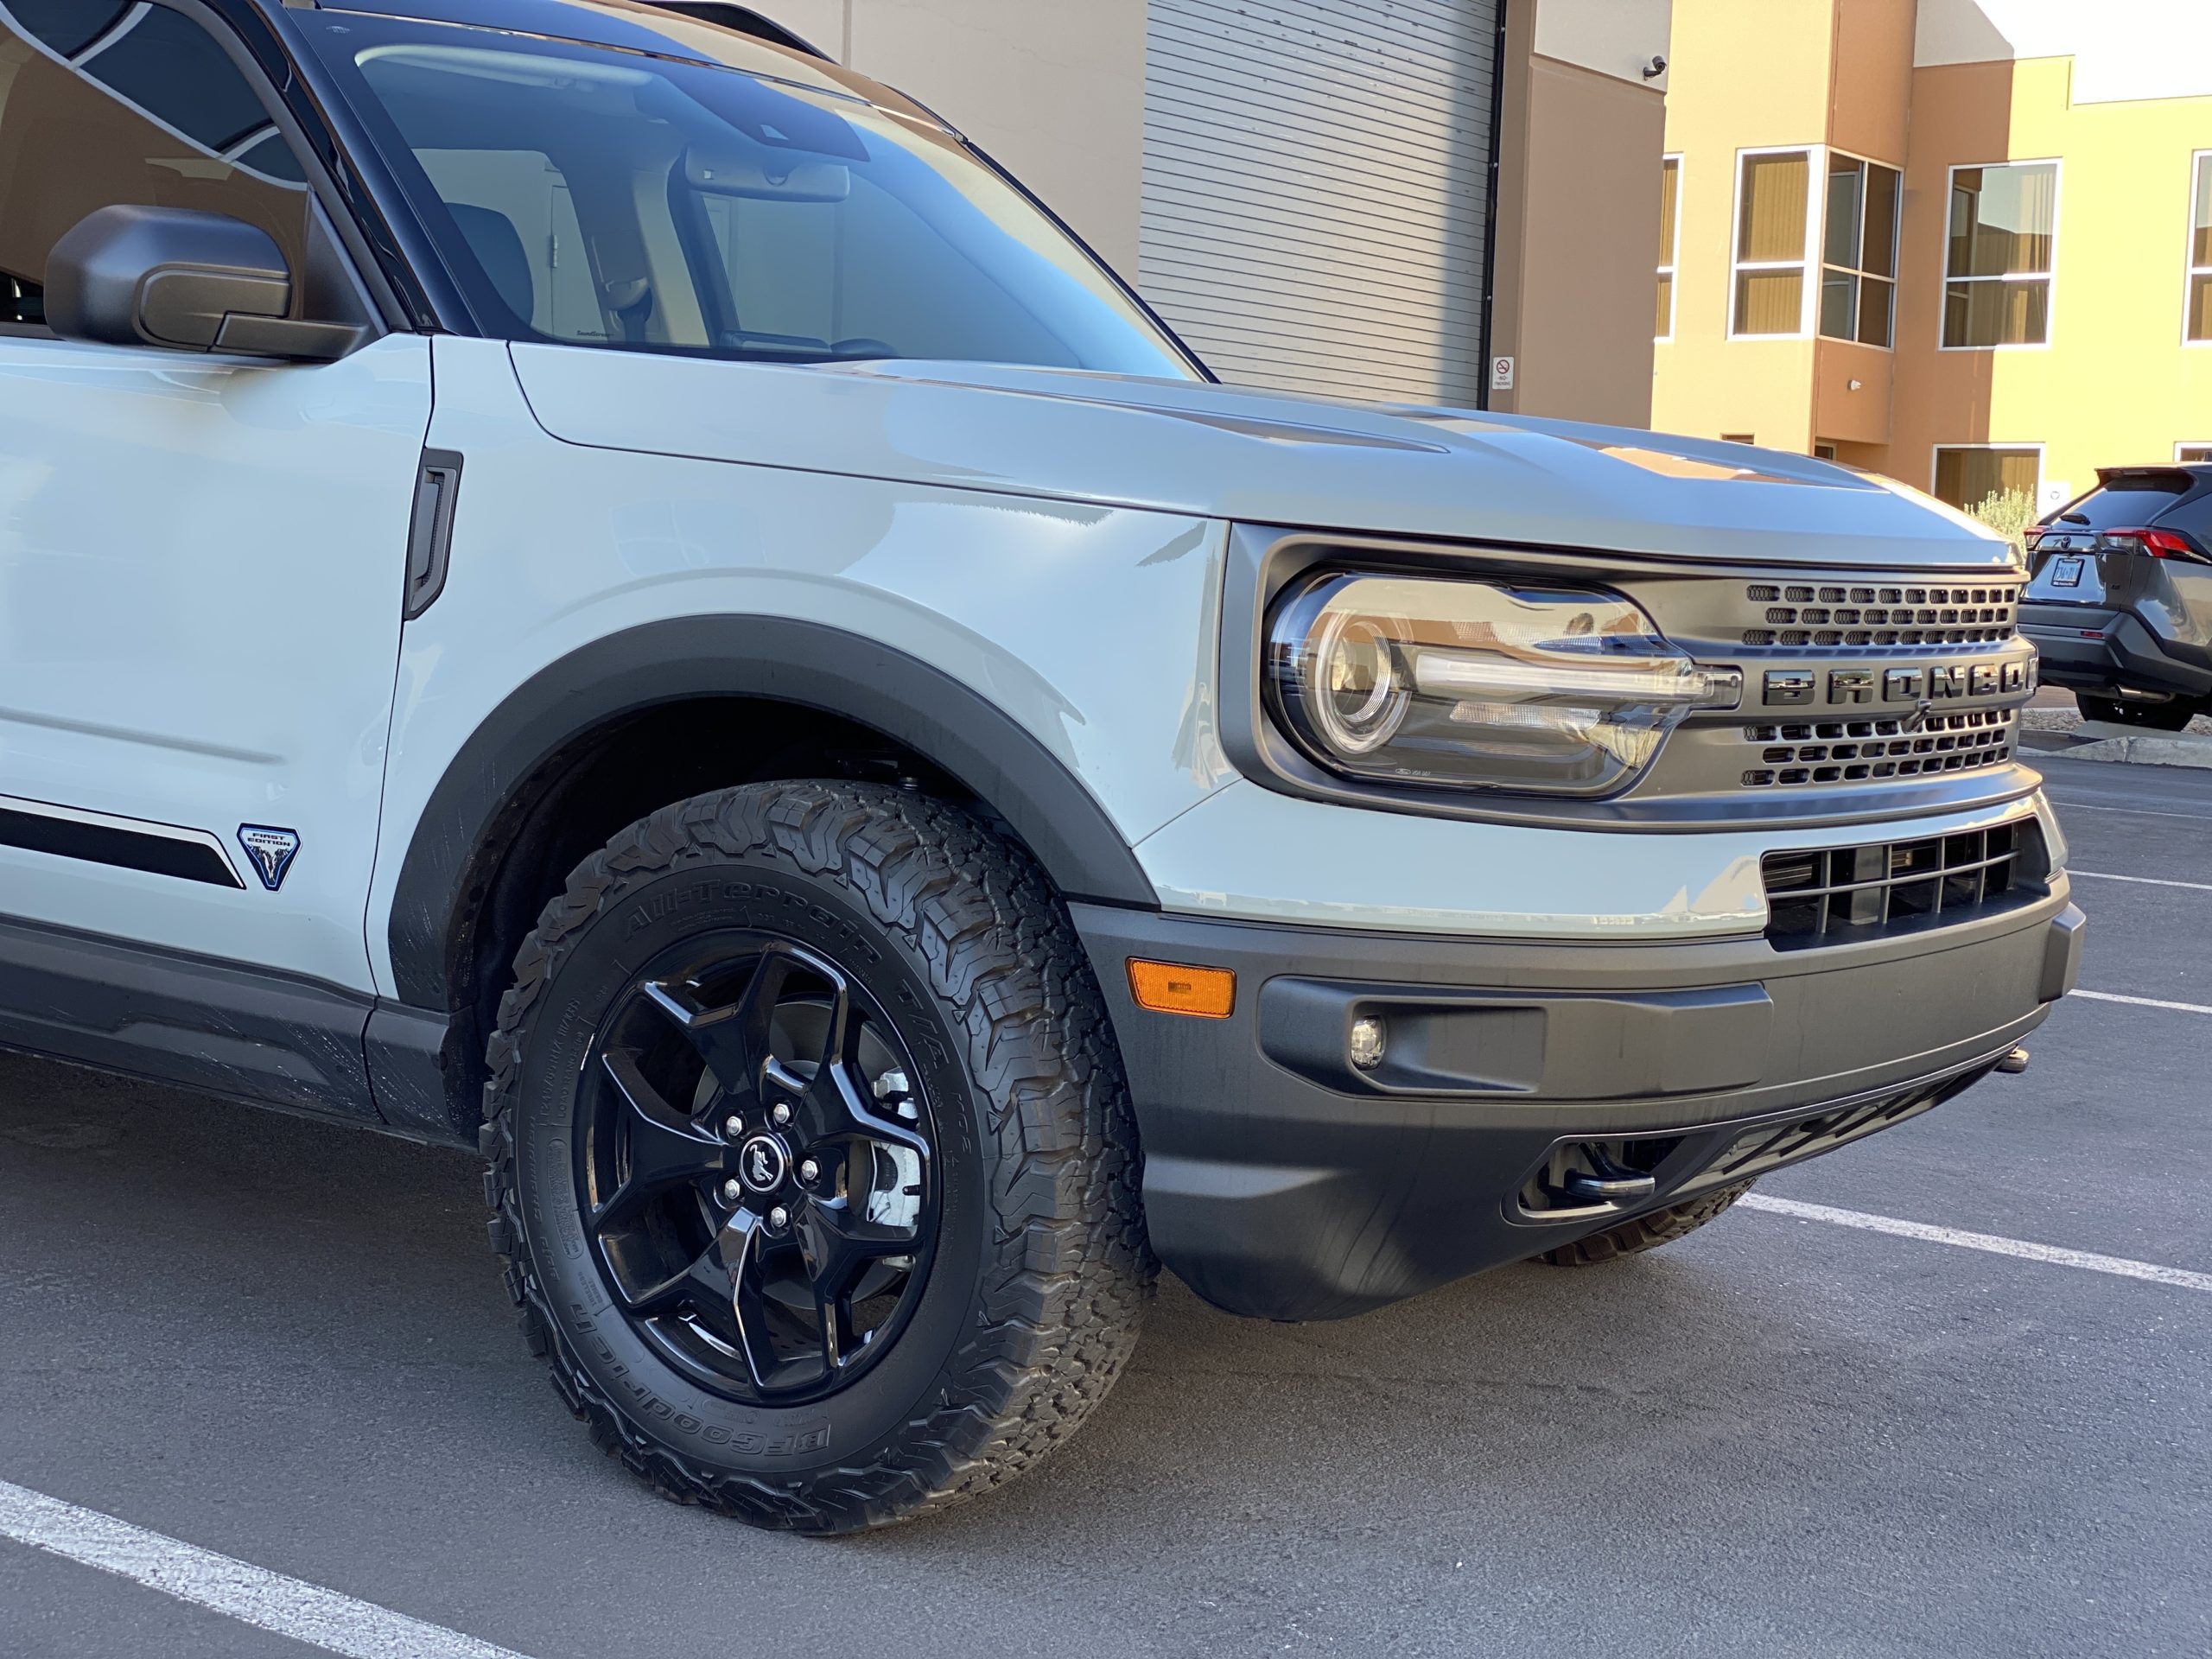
(1500, 684)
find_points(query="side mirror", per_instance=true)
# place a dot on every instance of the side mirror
(185, 281)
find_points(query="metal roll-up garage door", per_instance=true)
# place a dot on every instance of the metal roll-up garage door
(1317, 184)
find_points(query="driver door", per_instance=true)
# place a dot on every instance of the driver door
(201, 561)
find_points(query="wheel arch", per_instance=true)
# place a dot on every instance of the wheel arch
(518, 751)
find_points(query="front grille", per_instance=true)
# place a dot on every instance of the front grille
(1807, 614)
(1829, 894)
(1846, 751)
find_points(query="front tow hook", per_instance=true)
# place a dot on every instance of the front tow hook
(1607, 1182)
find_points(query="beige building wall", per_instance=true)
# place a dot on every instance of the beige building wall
(1053, 89)
(1580, 131)
(1745, 74)
(2119, 95)
(2115, 385)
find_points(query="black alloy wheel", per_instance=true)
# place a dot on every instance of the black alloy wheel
(812, 1163)
(756, 1168)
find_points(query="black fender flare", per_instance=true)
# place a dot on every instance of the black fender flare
(809, 664)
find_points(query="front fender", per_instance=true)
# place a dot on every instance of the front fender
(802, 662)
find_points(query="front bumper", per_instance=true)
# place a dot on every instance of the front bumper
(1282, 1182)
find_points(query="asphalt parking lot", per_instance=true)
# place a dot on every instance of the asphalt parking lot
(284, 1342)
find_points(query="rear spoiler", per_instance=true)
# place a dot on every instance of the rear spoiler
(2180, 479)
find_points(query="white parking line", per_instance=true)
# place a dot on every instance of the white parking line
(306, 1612)
(2144, 881)
(2136, 811)
(2142, 1001)
(2181, 1278)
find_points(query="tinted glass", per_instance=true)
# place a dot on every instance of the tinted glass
(2126, 502)
(1996, 314)
(1771, 208)
(2200, 215)
(2002, 219)
(1847, 186)
(101, 105)
(1878, 252)
(1967, 478)
(614, 200)
(2193, 516)
(68, 26)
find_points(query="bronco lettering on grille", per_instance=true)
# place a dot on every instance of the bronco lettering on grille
(1936, 683)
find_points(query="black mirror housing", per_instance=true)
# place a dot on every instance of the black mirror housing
(183, 281)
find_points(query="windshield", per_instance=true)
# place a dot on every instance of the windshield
(610, 198)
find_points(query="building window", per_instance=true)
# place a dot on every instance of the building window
(1771, 243)
(1859, 251)
(2199, 249)
(1969, 475)
(1670, 180)
(1997, 271)
(2190, 453)
(1737, 437)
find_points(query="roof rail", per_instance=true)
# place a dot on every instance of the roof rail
(746, 21)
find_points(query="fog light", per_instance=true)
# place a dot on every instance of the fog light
(1366, 1041)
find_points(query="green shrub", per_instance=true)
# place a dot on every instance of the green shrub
(2009, 512)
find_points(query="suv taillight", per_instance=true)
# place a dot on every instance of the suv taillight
(2159, 543)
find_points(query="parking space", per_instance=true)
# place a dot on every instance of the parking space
(284, 1341)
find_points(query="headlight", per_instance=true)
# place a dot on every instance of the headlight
(1479, 685)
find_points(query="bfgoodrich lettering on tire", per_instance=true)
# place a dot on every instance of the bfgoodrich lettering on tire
(812, 1163)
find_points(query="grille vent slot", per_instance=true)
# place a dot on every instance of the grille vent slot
(1881, 616)
(1824, 894)
(1850, 751)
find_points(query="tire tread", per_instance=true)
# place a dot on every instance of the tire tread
(1067, 1269)
(1646, 1232)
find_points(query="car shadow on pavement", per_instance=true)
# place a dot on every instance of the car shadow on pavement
(301, 1313)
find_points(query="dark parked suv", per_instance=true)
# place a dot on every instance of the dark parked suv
(2121, 599)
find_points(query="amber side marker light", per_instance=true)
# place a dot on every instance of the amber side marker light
(1174, 988)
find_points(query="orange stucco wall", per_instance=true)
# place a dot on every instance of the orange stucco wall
(2115, 383)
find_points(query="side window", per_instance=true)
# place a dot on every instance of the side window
(102, 103)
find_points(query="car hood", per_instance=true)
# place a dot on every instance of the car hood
(1226, 452)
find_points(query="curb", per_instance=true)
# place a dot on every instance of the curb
(2096, 740)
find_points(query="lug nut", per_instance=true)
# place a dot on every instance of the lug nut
(732, 1190)
(809, 1171)
(779, 1217)
(733, 1126)
(781, 1116)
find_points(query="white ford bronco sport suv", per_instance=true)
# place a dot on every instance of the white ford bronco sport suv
(582, 581)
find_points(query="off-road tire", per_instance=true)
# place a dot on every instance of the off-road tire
(1049, 1297)
(1646, 1232)
(2171, 715)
